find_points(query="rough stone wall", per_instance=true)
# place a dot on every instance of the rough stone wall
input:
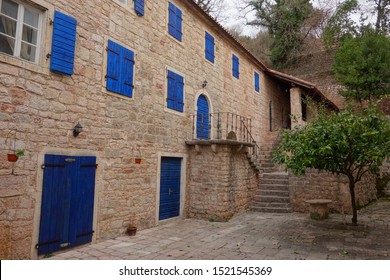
(279, 99)
(16, 213)
(324, 185)
(221, 182)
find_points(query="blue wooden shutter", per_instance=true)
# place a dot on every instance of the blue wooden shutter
(127, 74)
(175, 22)
(172, 20)
(113, 82)
(210, 47)
(63, 44)
(179, 22)
(120, 69)
(139, 7)
(180, 93)
(175, 96)
(53, 205)
(83, 193)
(171, 98)
(257, 82)
(236, 66)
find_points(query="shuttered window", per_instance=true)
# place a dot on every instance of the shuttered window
(139, 7)
(175, 91)
(236, 66)
(63, 44)
(120, 69)
(257, 82)
(175, 22)
(210, 47)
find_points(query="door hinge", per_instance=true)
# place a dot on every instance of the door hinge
(43, 166)
(89, 165)
(46, 243)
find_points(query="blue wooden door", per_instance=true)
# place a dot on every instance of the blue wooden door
(202, 118)
(67, 202)
(170, 188)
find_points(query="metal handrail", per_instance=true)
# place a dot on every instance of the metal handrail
(256, 147)
(221, 125)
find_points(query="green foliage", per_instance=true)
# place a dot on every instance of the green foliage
(19, 153)
(341, 24)
(284, 20)
(350, 143)
(362, 65)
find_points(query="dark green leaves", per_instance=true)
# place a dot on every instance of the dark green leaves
(349, 143)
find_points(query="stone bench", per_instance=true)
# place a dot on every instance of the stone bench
(319, 208)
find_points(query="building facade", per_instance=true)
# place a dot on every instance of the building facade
(128, 112)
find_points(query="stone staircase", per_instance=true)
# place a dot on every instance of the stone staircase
(273, 193)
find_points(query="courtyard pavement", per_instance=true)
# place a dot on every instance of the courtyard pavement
(253, 236)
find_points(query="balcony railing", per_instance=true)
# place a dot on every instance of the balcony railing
(224, 126)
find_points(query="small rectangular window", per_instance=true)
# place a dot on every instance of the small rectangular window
(175, 22)
(175, 91)
(124, 1)
(120, 69)
(209, 47)
(236, 66)
(20, 29)
(257, 82)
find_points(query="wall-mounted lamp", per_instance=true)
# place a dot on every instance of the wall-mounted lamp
(204, 84)
(77, 129)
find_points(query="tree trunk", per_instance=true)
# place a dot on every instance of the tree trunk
(354, 209)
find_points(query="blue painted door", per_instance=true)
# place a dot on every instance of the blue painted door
(202, 118)
(170, 187)
(67, 202)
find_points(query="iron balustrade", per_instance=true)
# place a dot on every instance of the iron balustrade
(224, 126)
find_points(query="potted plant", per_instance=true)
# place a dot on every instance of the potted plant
(138, 156)
(13, 157)
(131, 230)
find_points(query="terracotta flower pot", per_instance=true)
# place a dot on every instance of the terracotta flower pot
(138, 161)
(131, 231)
(12, 157)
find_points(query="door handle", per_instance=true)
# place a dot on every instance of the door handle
(170, 191)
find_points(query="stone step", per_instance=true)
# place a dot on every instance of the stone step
(273, 182)
(276, 175)
(270, 165)
(271, 209)
(273, 192)
(274, 187)
(271, 204)
(271, 199)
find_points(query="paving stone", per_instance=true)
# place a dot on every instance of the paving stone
(253, 236)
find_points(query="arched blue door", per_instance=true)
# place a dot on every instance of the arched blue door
(202, 118)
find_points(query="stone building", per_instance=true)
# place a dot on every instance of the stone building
(129, 112)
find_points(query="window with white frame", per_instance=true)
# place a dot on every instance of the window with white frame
(20, 30)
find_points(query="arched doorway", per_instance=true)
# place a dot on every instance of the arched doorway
(202, 118)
